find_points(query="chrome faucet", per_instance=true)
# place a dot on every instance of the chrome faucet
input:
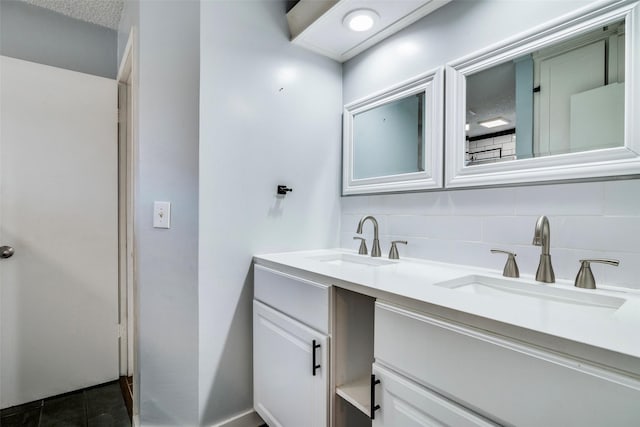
(375, 250)
(542, 238)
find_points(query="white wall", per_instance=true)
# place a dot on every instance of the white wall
(598, 219)
(270, 114)
(167, 162)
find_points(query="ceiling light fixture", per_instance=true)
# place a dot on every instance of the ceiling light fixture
(360, 20)
(498, 121)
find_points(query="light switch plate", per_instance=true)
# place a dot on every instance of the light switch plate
(161, 215)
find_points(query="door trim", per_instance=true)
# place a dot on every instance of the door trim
(127, 79)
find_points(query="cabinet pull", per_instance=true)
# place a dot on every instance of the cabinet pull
(313, 352)
(374, 407)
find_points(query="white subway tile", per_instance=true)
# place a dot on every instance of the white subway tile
(355, 204)
(465, 228)
(424, 203)
(469, 253)
(503, 139)
(619, 234)
(627, 274)
(347, 242)
(349, 222)
(376, 205)
(622, 197)
(434, 250)
(598, 219)
(489, 201)
(408, 225)
(508, 230)
(561, 199)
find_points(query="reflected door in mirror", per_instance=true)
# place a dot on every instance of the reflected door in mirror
(564, 98)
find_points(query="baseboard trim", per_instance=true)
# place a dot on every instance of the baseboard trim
(245, 419)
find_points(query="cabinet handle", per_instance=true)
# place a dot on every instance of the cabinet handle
(313, 352)
(374, 407)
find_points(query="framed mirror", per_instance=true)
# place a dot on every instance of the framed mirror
(393, 139)
(557, 103)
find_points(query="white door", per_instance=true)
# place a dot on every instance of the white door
(406, 404)
(58, 210)
(286, 391)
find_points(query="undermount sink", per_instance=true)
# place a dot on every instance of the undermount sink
(541, 293)
(346, 259)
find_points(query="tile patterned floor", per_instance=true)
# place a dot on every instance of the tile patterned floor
(100, 406)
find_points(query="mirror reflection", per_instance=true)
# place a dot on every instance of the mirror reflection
(565, 98)
(389, 139)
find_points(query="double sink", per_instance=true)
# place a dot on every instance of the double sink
(505, 289)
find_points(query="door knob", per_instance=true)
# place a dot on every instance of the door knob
(6, 251)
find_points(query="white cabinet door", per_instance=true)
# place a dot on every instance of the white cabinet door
(405, 404)
(508, 381)
(286, 391)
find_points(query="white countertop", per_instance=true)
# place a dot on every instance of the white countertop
(615, 330)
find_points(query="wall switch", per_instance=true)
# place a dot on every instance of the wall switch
(161, 215)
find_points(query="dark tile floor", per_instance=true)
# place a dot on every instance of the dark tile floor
(100, 406)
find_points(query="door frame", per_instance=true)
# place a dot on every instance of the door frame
(127, 79)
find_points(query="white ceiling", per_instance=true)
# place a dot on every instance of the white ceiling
(105, 13)
(491, 93)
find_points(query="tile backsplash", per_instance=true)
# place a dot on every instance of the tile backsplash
(491, 149)
(588, 220)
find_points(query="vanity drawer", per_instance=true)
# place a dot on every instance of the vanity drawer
(510, 382)
(301, 299)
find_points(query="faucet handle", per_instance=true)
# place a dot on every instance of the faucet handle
(363, 245)
(511, 267)
(585, 278)
(393, 252)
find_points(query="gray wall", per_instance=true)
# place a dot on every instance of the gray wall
(167, 169)
(590, 219)
(38, 35)
(270, 114)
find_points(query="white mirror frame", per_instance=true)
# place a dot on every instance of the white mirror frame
(432, 85)
(601, 163)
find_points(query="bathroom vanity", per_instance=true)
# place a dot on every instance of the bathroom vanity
(342, 339)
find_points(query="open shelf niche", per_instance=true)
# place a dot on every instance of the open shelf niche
(353, 345)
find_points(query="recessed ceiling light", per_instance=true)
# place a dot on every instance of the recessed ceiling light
(466, 127)
(499, 121)
(360, 20)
